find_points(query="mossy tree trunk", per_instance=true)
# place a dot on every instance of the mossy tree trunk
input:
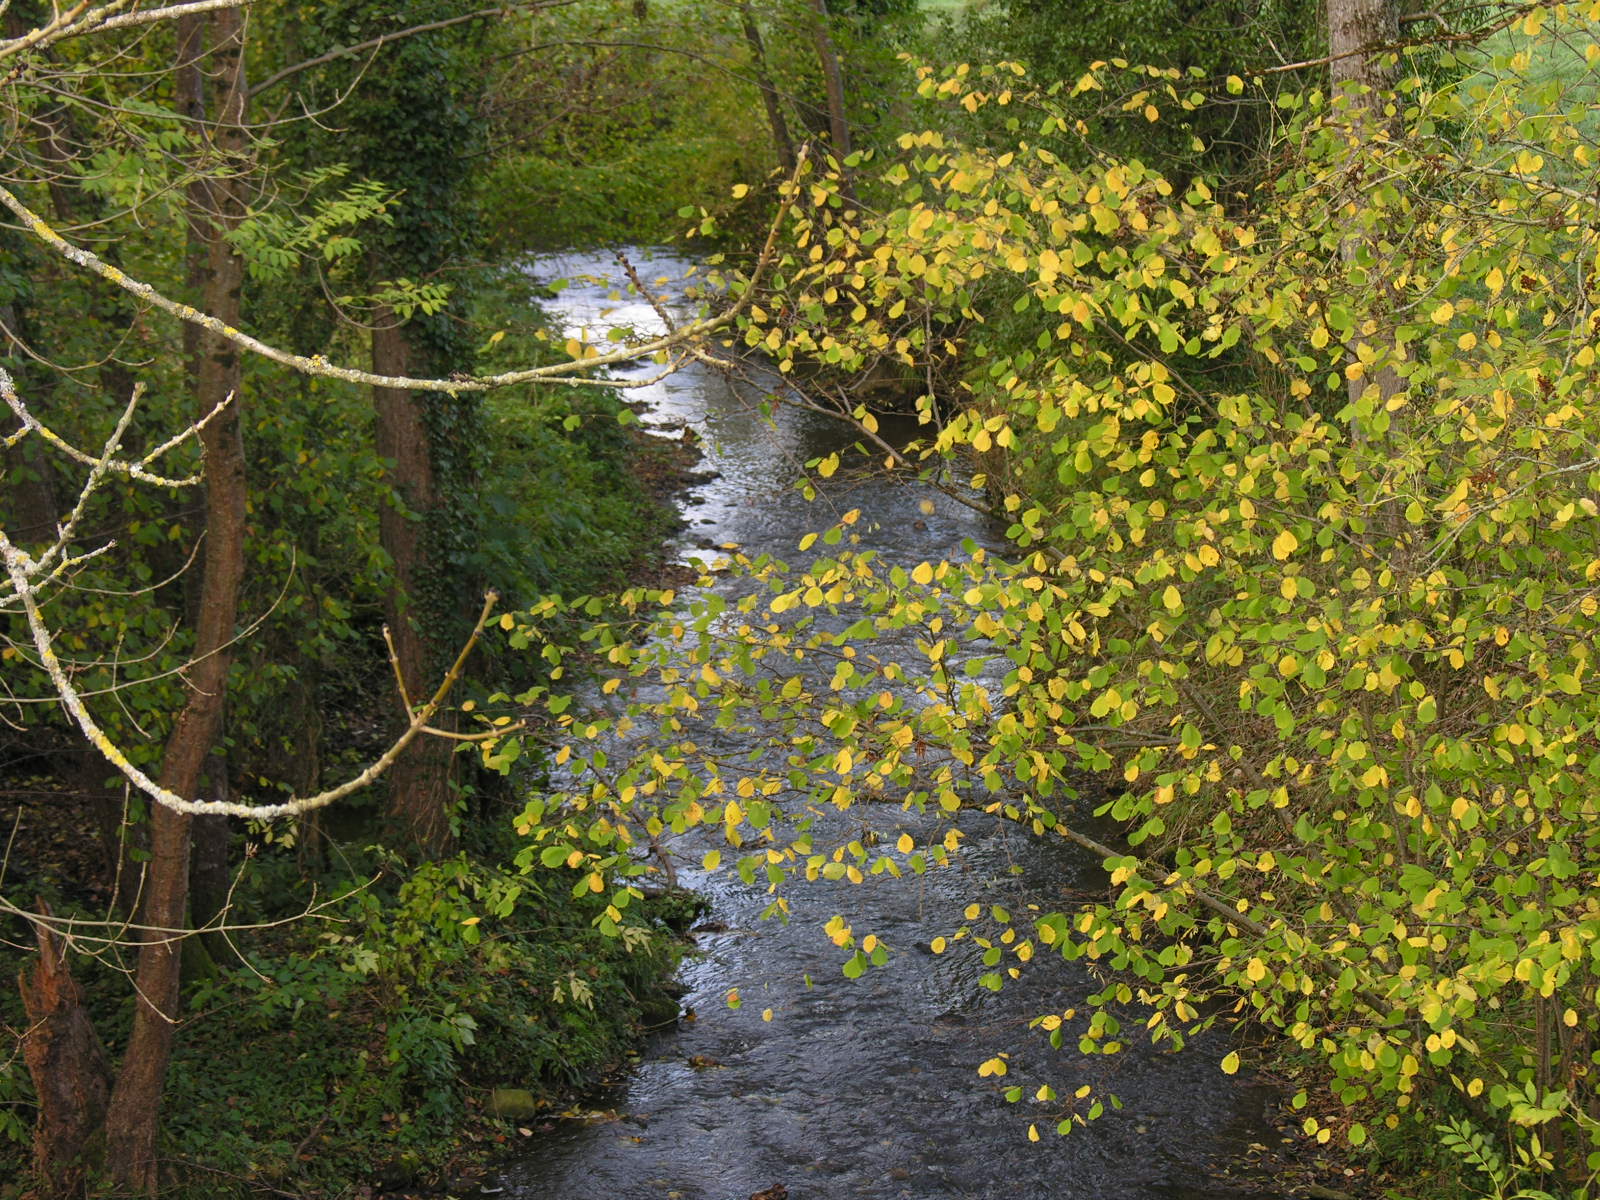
(421, 794)
(411, 121)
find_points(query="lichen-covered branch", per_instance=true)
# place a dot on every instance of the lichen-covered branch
(575, 372)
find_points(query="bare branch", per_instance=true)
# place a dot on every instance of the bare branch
(104, 462)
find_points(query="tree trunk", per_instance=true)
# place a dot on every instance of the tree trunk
(208, 865)
(781, 140)
(31, 512)
(420, 793)
(133, 1120)
(68, 1065)
(833, 80)
(833, 77)
(57, 134)
(1356, 29)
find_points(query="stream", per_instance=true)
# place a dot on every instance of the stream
(866, 1087)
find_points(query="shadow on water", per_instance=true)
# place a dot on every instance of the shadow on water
(868, 1087)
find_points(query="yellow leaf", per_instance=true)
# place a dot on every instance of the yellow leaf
(741, 190)
(1033, 1133)
(922, 573)
(1230, 1064)
(1284, 545)
(1172, 599)
(937, 945)
(905, 844)
(766, 1014)
(1443, 313)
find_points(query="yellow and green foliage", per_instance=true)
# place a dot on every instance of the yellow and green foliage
(1304, 485)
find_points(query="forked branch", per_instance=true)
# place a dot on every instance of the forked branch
(19, 565)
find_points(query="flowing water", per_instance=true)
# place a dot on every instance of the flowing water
(866, 1087)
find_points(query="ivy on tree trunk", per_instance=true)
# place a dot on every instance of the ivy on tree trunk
(420, 792)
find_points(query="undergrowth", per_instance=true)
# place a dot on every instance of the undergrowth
(358, 1048)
